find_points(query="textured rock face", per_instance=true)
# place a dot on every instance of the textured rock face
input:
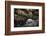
(26, 18)
(21, 17)
(19, 21)
(20, 12)
(31, 22)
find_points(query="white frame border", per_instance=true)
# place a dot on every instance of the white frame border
(26, 28)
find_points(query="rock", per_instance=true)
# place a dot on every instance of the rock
(29, 22)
